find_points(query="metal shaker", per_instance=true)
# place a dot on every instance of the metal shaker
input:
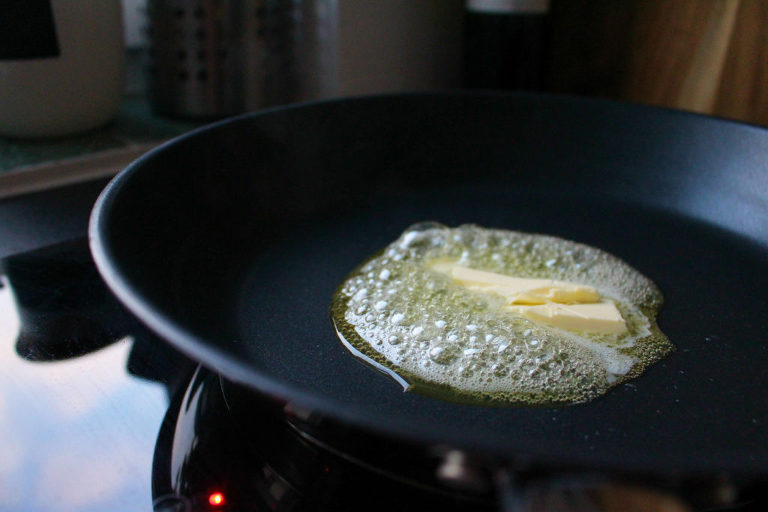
(215, 58)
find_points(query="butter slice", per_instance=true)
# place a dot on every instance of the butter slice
(601, 317)
(519, 290)
(560, 304)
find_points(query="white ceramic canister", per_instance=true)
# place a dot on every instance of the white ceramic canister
(63, 76)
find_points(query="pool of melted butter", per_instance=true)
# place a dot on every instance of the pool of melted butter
(437, 337)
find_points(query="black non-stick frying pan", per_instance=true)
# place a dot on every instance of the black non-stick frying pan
(230, 240)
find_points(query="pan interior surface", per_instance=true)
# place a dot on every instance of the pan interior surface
(234, 238)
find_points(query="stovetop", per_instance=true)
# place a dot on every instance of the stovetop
(83, 389)
(75, 434)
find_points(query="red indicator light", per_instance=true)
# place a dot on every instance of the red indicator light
(216, 499)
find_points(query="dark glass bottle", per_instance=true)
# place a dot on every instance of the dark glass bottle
(505, 44)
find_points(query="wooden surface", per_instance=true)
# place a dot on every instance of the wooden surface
(707, 56)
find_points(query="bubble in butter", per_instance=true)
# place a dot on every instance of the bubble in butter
(499, 317)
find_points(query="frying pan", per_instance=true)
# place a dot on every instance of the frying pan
(230, 240)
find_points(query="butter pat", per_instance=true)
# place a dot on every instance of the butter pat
(519, 290)
(560, 304)
(602, 317)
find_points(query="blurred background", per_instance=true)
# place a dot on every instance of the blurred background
(121, 76)
(708, 56)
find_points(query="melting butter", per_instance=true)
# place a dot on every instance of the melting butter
(561, 304)
(500, 317)
(517, 290)
(602, 317)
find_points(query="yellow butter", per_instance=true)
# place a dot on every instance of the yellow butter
(519, 290)
(602, 317)
(560, 304)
